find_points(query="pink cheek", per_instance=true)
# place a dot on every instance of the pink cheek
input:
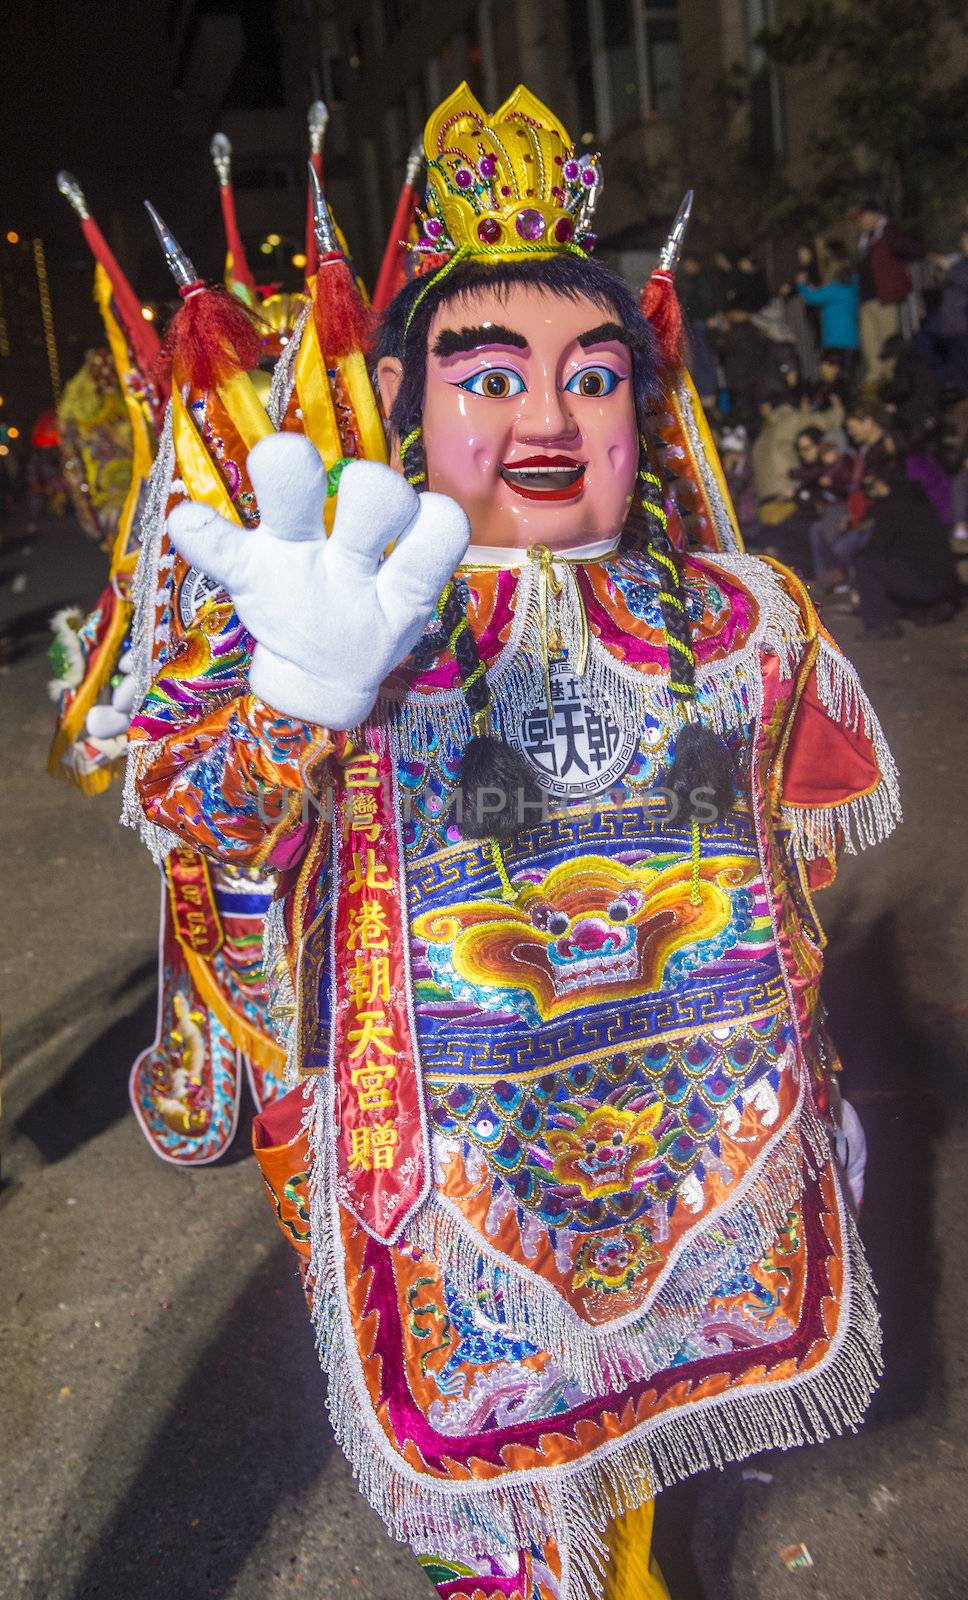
(622, 455)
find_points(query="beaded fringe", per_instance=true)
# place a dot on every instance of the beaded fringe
(575, 1503)
(151, 580)
(279, 985)
(284, 371)
(729, 692)
(870, 818)
(598, 1359)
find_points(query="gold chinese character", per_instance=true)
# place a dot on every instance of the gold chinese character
(360, 1155)
(370, 1082)
(384, 1141)
(361, 773)
(368, 927)
(371, 874)
(374, 1033)
(363, 815)
(369, 981)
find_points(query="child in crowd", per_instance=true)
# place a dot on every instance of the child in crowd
(839, 303)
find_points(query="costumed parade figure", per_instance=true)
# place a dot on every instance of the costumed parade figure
(548, 770)
(213, 1030)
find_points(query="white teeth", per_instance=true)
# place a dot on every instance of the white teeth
(532, 471)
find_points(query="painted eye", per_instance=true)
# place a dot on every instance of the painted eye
(618, 911)
(593, 382)
(497, 383)
(557, 922)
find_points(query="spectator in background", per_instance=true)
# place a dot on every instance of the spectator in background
(959, 510)
(906, 565)
(885, 282)
(909, 393)
(944, 336)
(832, 382)
(838, 301)
(775, 454)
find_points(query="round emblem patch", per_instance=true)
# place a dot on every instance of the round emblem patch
(578, 749)
(196, 588)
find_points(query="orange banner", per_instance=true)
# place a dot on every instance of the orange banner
(194, 912)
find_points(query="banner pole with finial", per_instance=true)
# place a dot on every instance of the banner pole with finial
(317, 119)
(391, 268)
(142, 337)
(237, 270)
(660, 304)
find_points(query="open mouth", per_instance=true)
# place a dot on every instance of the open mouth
(545, 477)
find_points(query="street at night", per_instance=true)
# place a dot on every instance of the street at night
(163, 1413)
(483, 668)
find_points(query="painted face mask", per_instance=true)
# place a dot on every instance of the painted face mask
(529, 416)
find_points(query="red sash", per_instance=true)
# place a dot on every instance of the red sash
(193, 909)
(381, 1160)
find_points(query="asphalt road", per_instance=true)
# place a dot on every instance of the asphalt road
(162, 1422)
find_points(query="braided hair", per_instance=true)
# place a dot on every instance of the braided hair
(702, 771)
(701, 761)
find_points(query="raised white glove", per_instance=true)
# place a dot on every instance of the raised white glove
(331, 617)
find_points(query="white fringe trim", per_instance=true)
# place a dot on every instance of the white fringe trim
(284, 371)
(574, 1502)
(725, 526)
(730, 692)
(870, 818)
(282, 1004)
(151, 580)
(645, 1340)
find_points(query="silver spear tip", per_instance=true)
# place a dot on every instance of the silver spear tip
(73, 194)
(317, 117)
(178, 263)
(415, 161)
(220, 151)
(672, 249)
(326, 241)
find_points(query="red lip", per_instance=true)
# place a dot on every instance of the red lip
(569, 489)
(543, 461)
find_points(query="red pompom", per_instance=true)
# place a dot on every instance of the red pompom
(661, 309)
(343, 322)
(210, 339)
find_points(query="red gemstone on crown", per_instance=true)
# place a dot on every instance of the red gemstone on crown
(489, 231)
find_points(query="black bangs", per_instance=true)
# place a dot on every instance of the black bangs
(405, 324)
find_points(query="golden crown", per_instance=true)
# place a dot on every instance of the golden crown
(505, 185)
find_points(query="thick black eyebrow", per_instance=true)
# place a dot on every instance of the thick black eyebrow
(605, 333)
(452, 341)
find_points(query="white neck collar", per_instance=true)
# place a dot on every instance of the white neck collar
(492, 555)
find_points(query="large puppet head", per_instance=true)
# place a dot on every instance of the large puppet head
(518, 373)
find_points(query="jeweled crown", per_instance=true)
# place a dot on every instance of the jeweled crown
(510, 184)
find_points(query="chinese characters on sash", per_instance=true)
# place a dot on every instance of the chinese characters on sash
(381, 1161)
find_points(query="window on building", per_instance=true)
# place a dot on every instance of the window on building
(664, 57)
(767, 134)
(626, 60)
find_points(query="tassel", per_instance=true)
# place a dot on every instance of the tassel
(660, 303)
(661, 309)
(344, 324)
(211, 338)
(499, 793)
(702, 775)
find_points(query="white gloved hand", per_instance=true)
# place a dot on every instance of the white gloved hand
(331, 617)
